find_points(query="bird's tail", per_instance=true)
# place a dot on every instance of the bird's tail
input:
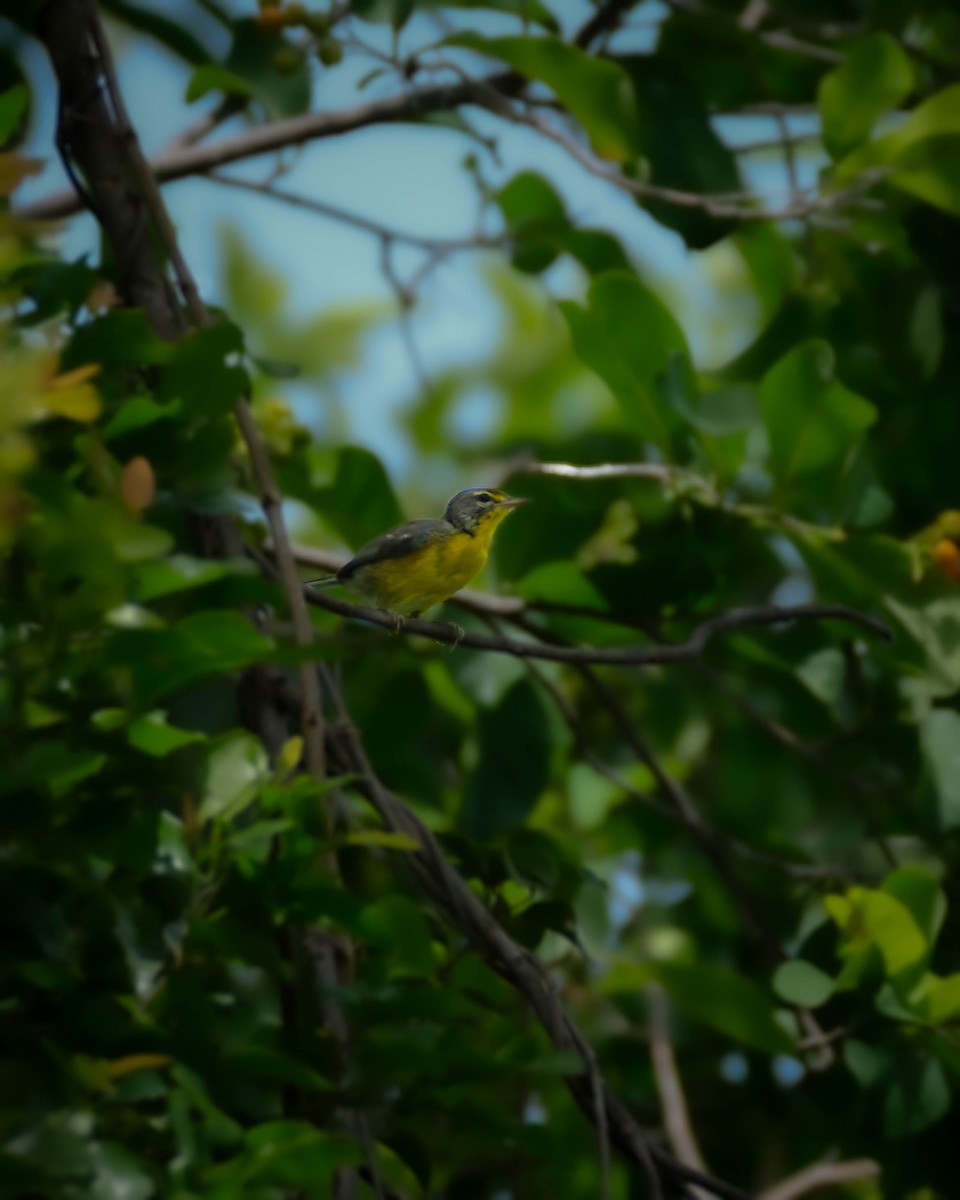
(326, 581)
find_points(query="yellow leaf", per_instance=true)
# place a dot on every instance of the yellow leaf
(77, 403)
(382, 837)
(289, 757)
(119, 1067)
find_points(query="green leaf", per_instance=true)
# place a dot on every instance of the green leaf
(940, 741)
(513, 771)
(563, 583)
(716, 995)
(236, 769)
(942, 1001)
(867, 915)
(204, 644)
(527, 10)
(212, 77)
(118, 1174)
(200, 374)
(360, 501)
(538, 222)
(681, 147)
(122, 337)
(397, 924)
(595, 91)
(802, 983)
(152, 735)
(275, 69)
(14, 103)
(919, 892)
(920, 156)
(173, 34)
(918, 1096)
(181, 572)
(534, 215)
(813, 421)
(135, 542)
(875, 77)
(137, 413)
(629, 337)
(287, 1154)
(869, 1064)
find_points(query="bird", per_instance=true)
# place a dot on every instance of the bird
(410, 569)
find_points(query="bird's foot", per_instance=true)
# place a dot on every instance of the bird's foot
(397, 620)
(458, 634)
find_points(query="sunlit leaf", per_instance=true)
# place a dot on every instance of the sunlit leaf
(596, 91)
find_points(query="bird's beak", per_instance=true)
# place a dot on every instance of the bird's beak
(513, 502)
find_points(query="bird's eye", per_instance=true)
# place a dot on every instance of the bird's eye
(485, 498)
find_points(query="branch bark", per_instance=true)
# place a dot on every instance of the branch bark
(616, 656)
(523, 970)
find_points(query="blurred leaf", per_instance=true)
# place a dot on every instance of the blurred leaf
(210, 77)
(285, 1154)
(918, 1096)
(511, 774)
(397, 923)
(628, 336)
(14, 103)
(383, 838)
(920, 893)
(528, 10)
(277, 72)
(175, 35)
(152, 735)
(681, 147)
(802, 983)
(875, 77)
(940, 739)
(716, 995)
(122, 337)
(118, 1174)
(870, 916)
(812, 420)
(596, 91)
(203, 644)
(919, 156)
(236, 769)
(359, 502)
(203, 374)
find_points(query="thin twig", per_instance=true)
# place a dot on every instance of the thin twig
(349, 217)
(676, 1115)
(822, 1175)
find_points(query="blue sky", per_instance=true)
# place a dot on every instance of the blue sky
(412, 178)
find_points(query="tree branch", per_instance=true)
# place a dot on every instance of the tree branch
(822, 1175)
(622, 656)
(521, 968)
(676, 1115)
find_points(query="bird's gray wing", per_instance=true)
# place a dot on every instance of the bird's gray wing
(399, 542)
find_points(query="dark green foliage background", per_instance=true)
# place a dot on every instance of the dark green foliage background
(158, 1030)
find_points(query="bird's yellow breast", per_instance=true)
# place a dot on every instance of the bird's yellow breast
(431, 573)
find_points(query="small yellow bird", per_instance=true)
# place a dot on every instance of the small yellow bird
(420, 564)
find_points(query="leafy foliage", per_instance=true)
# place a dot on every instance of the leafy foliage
(769, 834)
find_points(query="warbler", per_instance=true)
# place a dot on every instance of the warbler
(422, 563)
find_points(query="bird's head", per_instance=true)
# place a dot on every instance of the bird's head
(478, 507)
